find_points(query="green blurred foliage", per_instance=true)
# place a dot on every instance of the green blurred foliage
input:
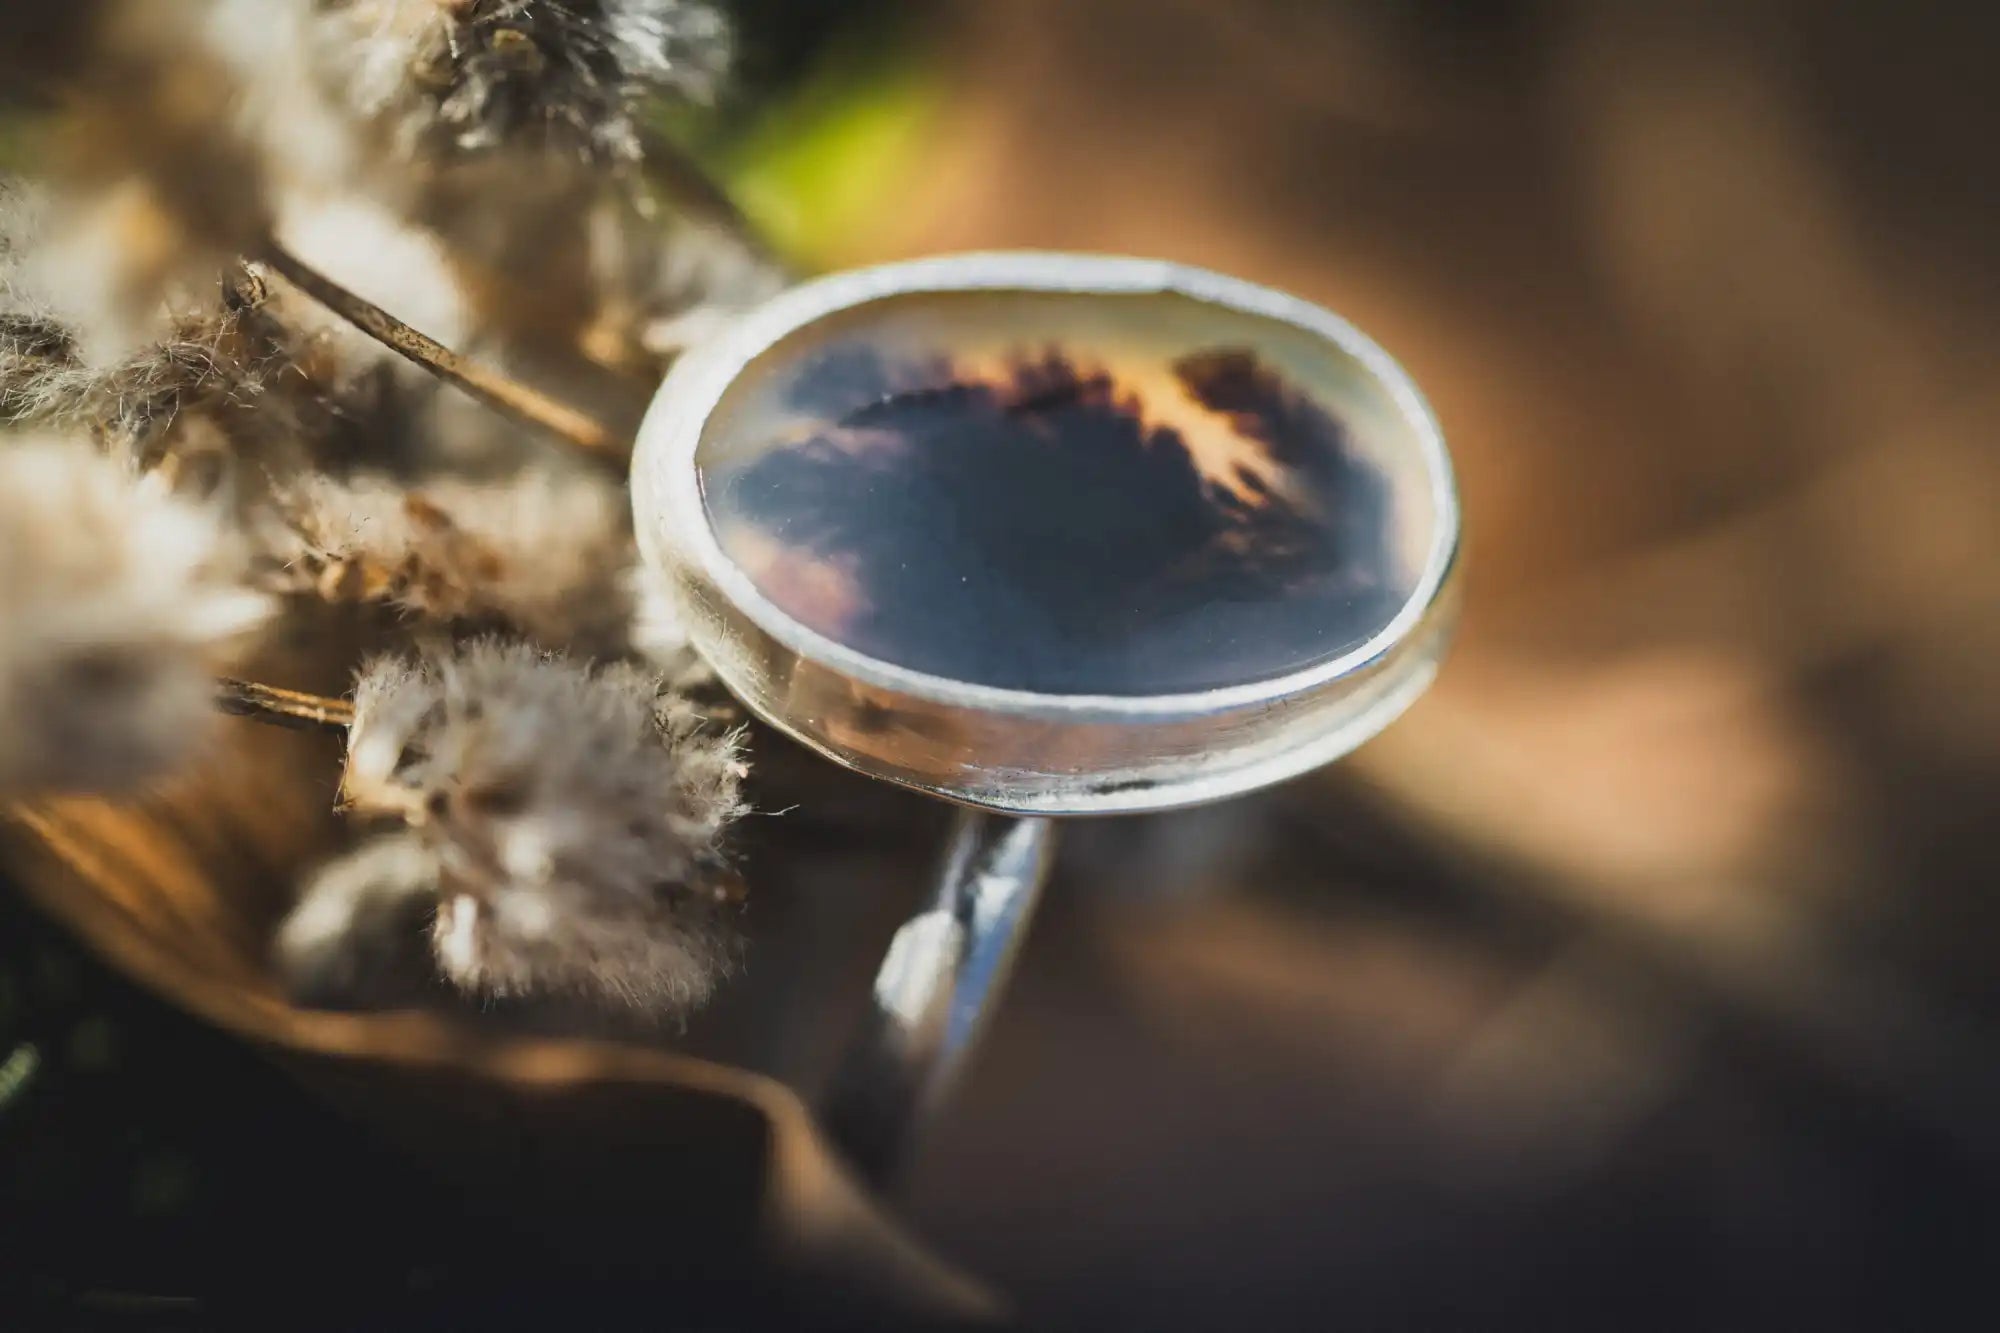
(818, 164)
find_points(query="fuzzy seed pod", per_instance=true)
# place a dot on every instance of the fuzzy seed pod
(117, 602)
(541, 553)
(473, 75)
(575, 815)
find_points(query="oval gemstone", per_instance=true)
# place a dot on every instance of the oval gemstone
(1070, 493)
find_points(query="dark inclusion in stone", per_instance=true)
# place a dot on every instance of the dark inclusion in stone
(1033, 524)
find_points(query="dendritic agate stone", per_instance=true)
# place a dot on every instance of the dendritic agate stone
(1070, 493)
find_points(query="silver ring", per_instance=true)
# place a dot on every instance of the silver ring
(1045, 535)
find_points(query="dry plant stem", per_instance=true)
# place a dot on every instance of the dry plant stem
(516, 400)
(283, 708)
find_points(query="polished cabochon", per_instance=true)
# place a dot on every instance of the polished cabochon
(1054, 534)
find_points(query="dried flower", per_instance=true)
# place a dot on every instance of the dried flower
(63, 356)
(229, 382)
(222, 169)
(478, 74)
(245, 372)
(165, 186)
(575, 814)
(116, 603)
(542, 552)
(356, 936)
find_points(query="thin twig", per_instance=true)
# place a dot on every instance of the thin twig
(489, 386)
(283, 708)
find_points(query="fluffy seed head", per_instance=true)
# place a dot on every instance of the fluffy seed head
(64, 356)
(163, 186)
(117, 602)
(231, 372)
(541, 552)
(575, 814)
(472, 75)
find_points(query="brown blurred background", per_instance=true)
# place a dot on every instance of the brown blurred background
(1644, 975)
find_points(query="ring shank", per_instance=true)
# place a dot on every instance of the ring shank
(944, 969)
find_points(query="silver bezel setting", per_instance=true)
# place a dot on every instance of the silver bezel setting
(1105, 753)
